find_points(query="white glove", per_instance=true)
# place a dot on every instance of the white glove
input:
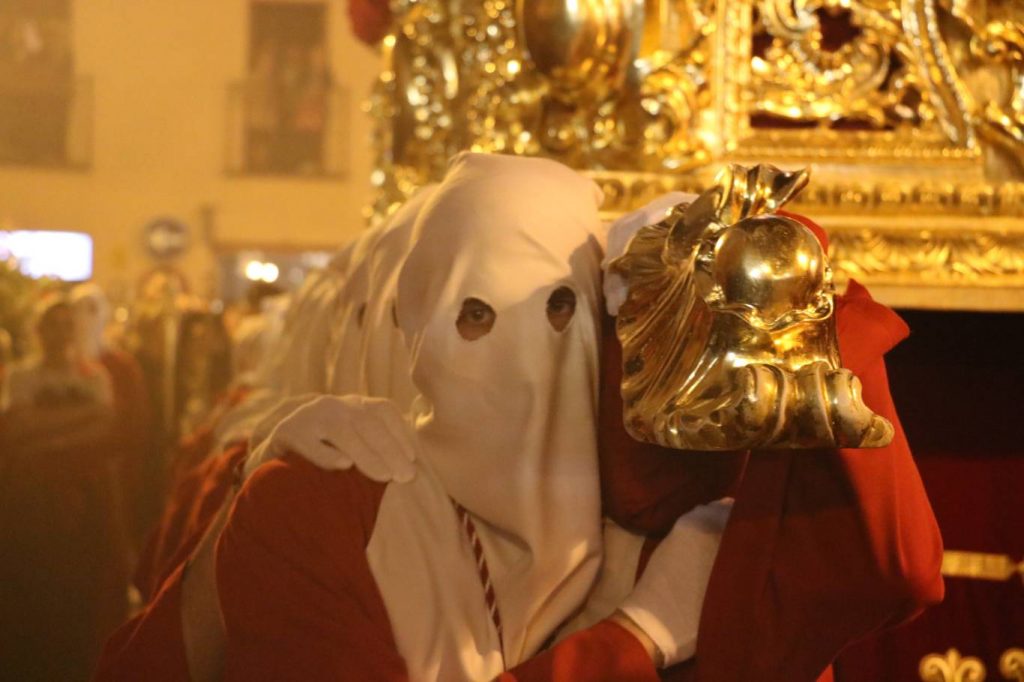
(621, 232)
(667, 600)
(339, 432)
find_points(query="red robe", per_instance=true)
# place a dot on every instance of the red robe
(193, 472)
(151, 644)
(835, 543)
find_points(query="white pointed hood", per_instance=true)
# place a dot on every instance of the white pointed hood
(508, 421)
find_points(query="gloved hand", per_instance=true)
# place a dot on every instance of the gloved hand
(339, 432)
(667, 600)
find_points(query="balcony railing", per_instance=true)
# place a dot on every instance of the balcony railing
(276, 131)
(45, 121)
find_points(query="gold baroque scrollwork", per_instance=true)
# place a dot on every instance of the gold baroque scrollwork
(749, 356)
(988, 41)
(412, 102)
(501, 100)
(980, 566)
(951, 667)
(913, 110)
(1011, 664)
(863, 79)
(928, 257)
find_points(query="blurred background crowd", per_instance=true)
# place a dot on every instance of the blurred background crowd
(96, 401)
(169, 174)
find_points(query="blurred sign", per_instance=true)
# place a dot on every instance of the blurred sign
(45, 253)
(166, 238)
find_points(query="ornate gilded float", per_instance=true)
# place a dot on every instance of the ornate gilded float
(910, 111)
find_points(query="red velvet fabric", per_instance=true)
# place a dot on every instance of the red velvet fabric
(189, 511)
(150, 645)
(977, 502)
(960, 380)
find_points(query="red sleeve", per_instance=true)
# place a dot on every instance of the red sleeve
(150, 645)
(189, 510)
(297, 594)
(823, 547)
(602, 653)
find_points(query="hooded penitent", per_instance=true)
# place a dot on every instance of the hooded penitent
(506, 427)
(384, 358)
(291, 369)
(292, 362)
(92, 313)
(313, 338)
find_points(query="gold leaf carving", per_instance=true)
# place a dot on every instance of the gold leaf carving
(913, 111)
(1011, 664)
(951, 667)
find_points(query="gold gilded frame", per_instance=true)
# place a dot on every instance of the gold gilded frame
(910, 112)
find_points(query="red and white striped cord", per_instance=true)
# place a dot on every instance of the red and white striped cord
(482, 571)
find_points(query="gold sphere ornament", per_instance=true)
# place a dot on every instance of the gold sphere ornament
(728, 331)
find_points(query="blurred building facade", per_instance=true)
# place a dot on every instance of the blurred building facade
(167, 112)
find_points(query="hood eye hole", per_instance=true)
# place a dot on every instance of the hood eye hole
(476, 319)
(561, 307)
(394, 314)
(361, 314)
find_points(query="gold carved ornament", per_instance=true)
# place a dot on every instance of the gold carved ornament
(951, 667)
(913, 109)
(954, 667)
(1011, 664)
(728, 331)
(980, 566)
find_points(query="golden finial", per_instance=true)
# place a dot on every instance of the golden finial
(728, 335)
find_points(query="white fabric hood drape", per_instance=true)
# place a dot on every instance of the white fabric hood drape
(297, 333)
(297, 362)
(384, 358)
(343, 371)
(508, 421)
